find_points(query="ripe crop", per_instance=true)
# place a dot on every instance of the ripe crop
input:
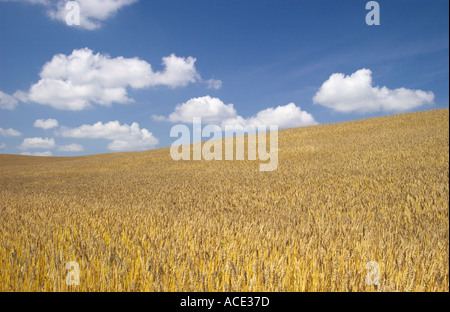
(342, 195)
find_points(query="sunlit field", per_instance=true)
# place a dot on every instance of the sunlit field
(343, 195)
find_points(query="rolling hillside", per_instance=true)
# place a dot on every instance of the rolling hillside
(343, 195)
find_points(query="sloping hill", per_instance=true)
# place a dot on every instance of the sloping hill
(343, 195)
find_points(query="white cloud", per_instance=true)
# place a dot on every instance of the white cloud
(214, 111)
(178, 72)
(21, 96)
(37, 143)
(7, 101)
(122, 137)
(287, 116)
(2, 145)
(92, 12)
(355, 93)
(76, 81)
(71, 148)
(46, 124)
(46, 154)
(214, 84)
(9, 132)
(47, 143)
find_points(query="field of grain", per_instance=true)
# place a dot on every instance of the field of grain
(343, 195)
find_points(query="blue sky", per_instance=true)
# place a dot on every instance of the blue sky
(102, 86)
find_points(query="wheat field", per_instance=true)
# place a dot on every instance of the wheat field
(343, 195)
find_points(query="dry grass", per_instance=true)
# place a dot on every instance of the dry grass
(344, 194)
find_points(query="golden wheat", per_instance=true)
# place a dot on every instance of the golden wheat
(343, 195)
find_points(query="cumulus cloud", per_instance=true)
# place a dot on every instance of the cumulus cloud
(37, 143)
(355, 93)
(47, 143)
(287, 116)
(214, 84)
(7, 101)
(76, 81)
(122, 137)
(71, 148)
(2, 145)
(178, 72)
(92, 12)
(46, 154)
(214, 111)
(9, 132)
(46, 124)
